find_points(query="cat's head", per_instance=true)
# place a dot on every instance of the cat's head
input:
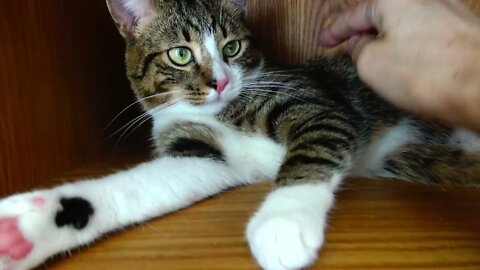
(191, 52)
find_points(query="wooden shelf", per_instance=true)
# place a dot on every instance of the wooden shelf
(62, 80)
(375, 225)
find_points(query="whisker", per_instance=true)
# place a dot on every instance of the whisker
(289, 71)
(279, 84)
(132, 122)
(128, 125)
(134, 127)
(244, 96)
(135, 103)
(275, 85)
(273, 93)
(143, 120)
(286, 73)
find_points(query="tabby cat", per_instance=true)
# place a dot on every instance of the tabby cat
(222, 119)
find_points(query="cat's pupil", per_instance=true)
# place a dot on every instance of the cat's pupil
(182, 53)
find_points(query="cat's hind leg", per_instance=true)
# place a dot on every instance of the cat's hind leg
(433, 164)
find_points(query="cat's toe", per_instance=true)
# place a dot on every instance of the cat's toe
(285, 241)
(12, 242)
(35, 226)
(288, 230)
(23, 224)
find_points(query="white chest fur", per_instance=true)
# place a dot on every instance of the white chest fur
(247, 154)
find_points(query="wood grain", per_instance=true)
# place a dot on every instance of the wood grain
(473, 5)
(62, 78)
(375, 225)
(61, 82)
(288, 30)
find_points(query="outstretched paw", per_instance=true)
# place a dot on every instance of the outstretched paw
(285, 241)
(288, 230)
(12, 242)
(35, 226)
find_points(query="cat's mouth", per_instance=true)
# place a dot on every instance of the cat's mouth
(214, 102)
(215, 96)
(219, 92)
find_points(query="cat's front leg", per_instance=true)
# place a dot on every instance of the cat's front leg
(35, 226)
(287, 231)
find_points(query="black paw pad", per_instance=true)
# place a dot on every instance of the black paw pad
(76, 212)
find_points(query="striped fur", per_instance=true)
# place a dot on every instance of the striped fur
(328, 122)
(222, 119)
(321, 112)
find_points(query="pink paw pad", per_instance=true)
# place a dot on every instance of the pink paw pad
(12, 242)
(39, 201)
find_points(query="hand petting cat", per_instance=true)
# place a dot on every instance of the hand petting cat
(420, 55)
(222, 118)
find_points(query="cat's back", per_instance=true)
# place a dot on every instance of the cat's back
(337, 79)
(328, 84)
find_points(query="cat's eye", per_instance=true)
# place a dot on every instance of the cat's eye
(180, 56)
(232, 48)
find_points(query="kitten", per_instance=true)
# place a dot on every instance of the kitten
(220, 120)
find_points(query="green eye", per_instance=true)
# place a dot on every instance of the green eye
(232, 48)
(180, 56)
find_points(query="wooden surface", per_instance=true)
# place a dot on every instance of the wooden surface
(473, 5)
(61, 81)
(375, 225)
(288, 30)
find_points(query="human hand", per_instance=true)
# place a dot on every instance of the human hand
(421, 55)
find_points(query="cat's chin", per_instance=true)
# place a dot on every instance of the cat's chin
(216, 103)
(212, 108)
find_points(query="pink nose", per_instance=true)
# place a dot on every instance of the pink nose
(221, 84)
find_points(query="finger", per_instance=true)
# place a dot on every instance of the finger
(362, 18)
(353, 42)
(375, 68)
(357, 43)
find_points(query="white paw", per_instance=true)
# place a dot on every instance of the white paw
(288, 230)
(35, 226)
(285, 241)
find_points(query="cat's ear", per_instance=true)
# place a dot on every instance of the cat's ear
(131, 15)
